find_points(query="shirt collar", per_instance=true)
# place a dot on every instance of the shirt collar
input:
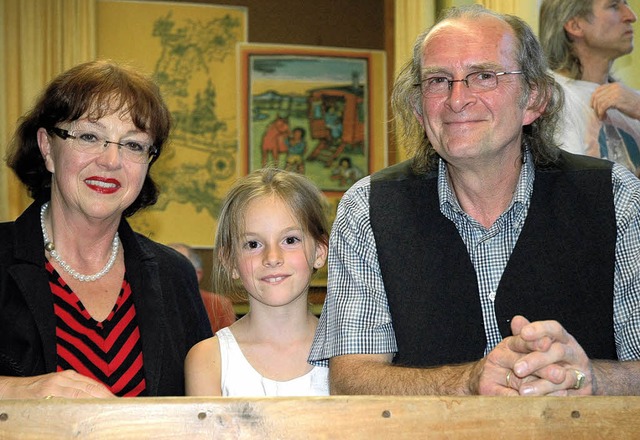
(521, 196)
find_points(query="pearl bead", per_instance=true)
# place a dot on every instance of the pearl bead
(50, 247)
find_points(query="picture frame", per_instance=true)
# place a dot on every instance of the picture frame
(331, 99)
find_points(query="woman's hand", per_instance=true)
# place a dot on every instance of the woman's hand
(68, 384)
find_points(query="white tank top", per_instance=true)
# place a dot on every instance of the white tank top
(240, 379)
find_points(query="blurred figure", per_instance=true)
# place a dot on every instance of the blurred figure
(582, 39)
(219, 308)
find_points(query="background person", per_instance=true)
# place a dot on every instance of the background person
(272, 237)
(582, 39)
(219, 308)
(89, 308)
(492, 262)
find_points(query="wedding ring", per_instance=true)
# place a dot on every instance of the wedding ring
(509, 379)
(580, 377)
(48, 397)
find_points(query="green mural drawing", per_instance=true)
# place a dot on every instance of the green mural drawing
(190, 52)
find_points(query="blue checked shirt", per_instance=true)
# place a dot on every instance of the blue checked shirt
(356, 319)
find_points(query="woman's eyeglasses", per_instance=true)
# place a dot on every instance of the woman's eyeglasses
(87, 142)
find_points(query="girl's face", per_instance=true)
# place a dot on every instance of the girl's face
(276, 257)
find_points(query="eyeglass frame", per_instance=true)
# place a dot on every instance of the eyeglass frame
(66, 134)
(465, 80)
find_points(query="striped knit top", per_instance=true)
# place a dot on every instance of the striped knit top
(109, 351)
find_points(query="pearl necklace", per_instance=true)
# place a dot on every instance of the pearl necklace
(50, 247)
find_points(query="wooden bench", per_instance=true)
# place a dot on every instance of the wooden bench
(335, 417)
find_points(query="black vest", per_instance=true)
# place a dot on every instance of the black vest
(561, 267)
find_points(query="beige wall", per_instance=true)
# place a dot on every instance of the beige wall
(628, 68)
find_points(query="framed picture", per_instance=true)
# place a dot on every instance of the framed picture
(318, 111)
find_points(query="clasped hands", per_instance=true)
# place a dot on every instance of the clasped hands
(540, 359)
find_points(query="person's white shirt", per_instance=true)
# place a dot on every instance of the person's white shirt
(580, 131)
(240, 379)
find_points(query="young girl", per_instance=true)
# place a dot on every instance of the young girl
(272, 237)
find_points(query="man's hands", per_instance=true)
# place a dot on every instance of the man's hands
(541, 358)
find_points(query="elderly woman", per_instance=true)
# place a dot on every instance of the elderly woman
(89, 308)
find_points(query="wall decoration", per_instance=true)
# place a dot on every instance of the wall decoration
(190, 49)
(315, 110)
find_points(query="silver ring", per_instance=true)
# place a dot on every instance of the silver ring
(580, 377)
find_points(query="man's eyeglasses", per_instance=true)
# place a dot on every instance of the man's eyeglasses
(87, 142)
(476, 82)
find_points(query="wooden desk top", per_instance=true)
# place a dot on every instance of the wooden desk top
(335, 417)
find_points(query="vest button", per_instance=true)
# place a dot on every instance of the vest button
(492, 296)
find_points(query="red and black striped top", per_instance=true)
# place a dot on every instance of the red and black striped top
(109, 351)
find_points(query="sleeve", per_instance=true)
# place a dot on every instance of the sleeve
(222, 314)
(194, 314)
(183, 306)
(571, 137)
(626, 307)
(578, 126)
(355, 317)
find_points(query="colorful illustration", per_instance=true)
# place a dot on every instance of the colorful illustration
(191, 52)
(309, 110)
